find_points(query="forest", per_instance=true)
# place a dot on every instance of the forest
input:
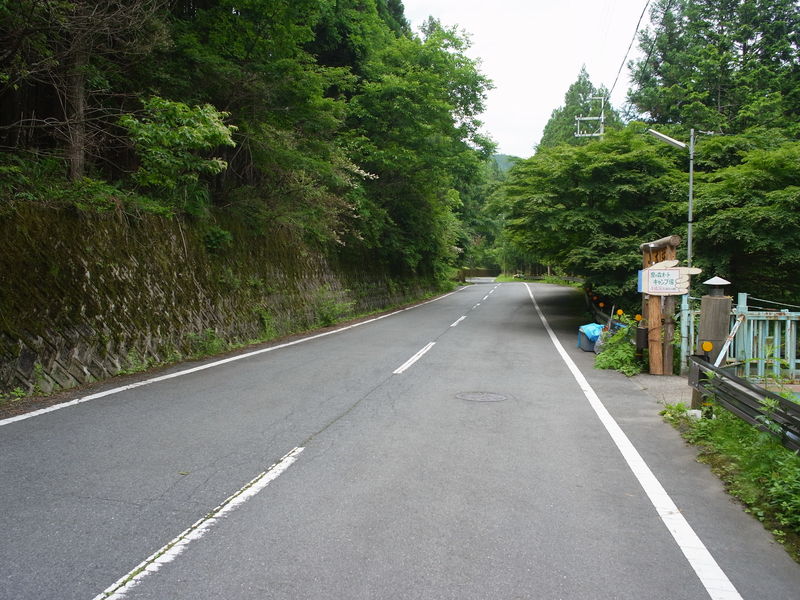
(330, 119)
(334, 121)
(729, 70)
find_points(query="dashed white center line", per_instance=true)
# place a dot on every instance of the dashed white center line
(458, 321)
(413, 359)
(210, 365)
(486, 297)
(173, 549)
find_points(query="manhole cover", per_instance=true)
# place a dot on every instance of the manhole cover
(481, 397)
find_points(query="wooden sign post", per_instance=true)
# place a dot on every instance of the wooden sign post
(658, 311)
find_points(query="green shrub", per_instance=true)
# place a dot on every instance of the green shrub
(618, 350)
(206, 343)
(331, 305)
(755, 467)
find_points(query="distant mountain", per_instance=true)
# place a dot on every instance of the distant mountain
(505, 161)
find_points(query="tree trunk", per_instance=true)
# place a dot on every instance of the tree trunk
(76, 111)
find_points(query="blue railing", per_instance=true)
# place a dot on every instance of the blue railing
(766, 342)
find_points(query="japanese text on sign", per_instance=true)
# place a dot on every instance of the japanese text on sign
(663, 281)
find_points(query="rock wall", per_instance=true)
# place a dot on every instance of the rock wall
(85, 296)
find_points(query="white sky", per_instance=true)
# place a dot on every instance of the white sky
(533, 51)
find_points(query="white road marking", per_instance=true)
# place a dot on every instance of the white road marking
(717, 584)
(413, 359)
(486, 297)
(174, 548)
(458, 321)
(476, 306)
(211, 365)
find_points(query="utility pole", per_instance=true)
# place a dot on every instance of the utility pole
(600, 129)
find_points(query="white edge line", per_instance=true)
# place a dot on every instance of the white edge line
(713, 578)
(175, 548)
(211, 365)
(413, 359)
(458, 321)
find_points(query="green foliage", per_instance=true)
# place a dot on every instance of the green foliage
(720, 65)
(579, 101)
(331, 305)
(269, 327)
(205, 343)
(588, 208)
(557, 280)
(619, 351)
(136, 363)
(15, 395)
(675, 413)
(216, 239)
(748, 220)
(755, 467)
(340, 125)
(481, 221)
(168, 138)
(414, 125)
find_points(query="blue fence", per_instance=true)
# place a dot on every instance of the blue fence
(766, 343)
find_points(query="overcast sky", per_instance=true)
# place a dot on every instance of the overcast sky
(533, 51)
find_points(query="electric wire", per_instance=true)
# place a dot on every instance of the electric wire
(627, 52)
(667, 8)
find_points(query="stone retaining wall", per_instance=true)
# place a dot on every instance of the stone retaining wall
(85, 296)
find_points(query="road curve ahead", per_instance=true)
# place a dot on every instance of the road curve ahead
(462, 449)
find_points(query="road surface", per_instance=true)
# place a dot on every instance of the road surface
(461, 449)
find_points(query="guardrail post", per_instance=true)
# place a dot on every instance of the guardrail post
(715, 311)
(715, 318)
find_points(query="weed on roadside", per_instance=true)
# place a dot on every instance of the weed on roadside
(206, 343)
(618, 350)
(755, 467)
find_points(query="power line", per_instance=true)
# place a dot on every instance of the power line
(655, 37)
(633, 39)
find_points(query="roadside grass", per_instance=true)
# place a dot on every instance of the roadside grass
(552, 279)
(755, 467)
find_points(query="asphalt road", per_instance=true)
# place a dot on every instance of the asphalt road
(442, 452)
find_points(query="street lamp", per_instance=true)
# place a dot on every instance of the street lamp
(685, 298)
(673, 142)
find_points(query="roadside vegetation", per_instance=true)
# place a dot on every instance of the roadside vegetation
(725, 69)
(551, 279)
(755, 467)
(334, 121)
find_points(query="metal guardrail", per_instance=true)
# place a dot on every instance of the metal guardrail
(767, 411)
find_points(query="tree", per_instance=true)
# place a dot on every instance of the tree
(414, 125)
(720, 65)
(587, 209)
(69, 48)
(581, 100)
(349, 32)
(288, 168)
(748, 220)
(168, 139)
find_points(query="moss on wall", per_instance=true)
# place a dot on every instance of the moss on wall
(85, 296)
